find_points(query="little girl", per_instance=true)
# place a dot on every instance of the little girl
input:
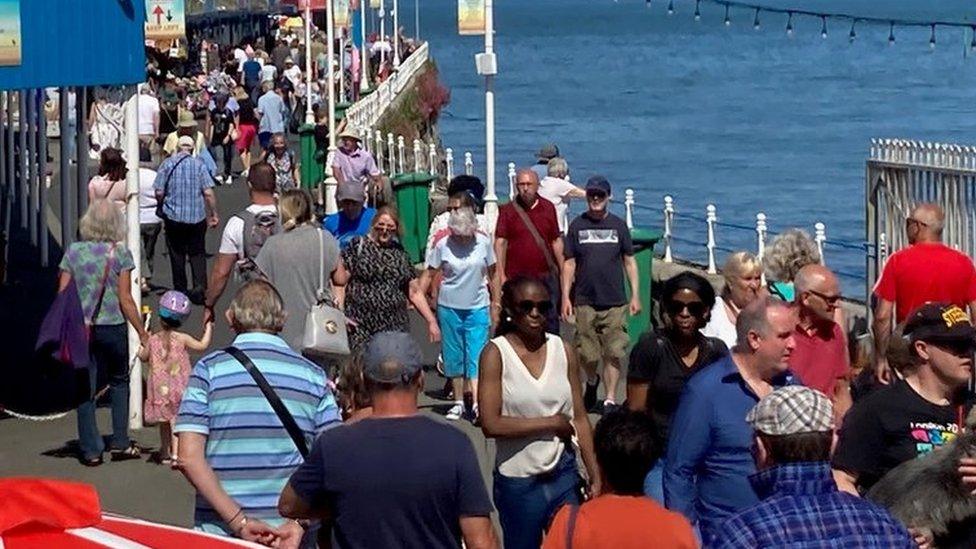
(169, 366)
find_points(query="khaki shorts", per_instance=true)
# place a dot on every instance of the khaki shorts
(601, 334)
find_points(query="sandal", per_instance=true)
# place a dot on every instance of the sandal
(132, 452)
(92, 462)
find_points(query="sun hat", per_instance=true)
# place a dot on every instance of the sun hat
(351, 133)
(186, 120)
(174, 305)
(792, 410)
(392, 357)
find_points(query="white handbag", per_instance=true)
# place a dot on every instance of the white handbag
(325, 325)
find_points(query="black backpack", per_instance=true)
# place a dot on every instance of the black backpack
(258, 227)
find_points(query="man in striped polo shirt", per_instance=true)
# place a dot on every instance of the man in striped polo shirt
(233, 448)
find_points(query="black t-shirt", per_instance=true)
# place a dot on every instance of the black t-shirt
(890, 426)
(395, 482)
(221, 121)
(655, 361)
(599, 246)
(245, 112)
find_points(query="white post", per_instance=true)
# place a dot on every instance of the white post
(711, 218)
(820, 236)
(330, 180)
(133, 241)
(432, 159)
(450, 164)
(396, 33)
(760, 235)
(342, 66)
(488, 70)
(363, 69)
(668, 220)
(382, 32)
(416, 155)
(629, 207)
(390, 144)
(309, 114)
(380, 159)
(882, 248)
(400, 149)
(469, 164)
(511, 180)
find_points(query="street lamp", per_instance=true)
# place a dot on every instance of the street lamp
(487, 65)
(330, 180)
(396, 33)
(309, 115)
(363, 70)
(382, 32)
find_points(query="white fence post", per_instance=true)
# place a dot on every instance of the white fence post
(432, 159)
(450, 164)
(400, 152)
(668, 220)
(378, 151)
(629, 207)
(468, 164)
(416, 155)
(760, 235)
(390, 146)
(882, 248)
(511, 180)
(711, 218)
(820, 236)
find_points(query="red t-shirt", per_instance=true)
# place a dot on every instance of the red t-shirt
(923, 272)
(621, 522)
(523, 256)
(820, 359)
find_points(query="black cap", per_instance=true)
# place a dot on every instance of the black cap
(467, 183)
(935, 322)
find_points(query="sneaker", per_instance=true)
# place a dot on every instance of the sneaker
(456, 411)
(219, 179)
(589, 394)
(228, 179)
(609, 407)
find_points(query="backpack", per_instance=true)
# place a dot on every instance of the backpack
(258, 227)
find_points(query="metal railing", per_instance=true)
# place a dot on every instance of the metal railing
(902, 173)
(367, 112)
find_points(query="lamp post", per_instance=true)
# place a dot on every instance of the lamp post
(330, 180)
(382, 32)
(488, 66)
(396, 33)
(309, 115)
(363, 69)
(416, 20)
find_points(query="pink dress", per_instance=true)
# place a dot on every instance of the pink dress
(168, 376)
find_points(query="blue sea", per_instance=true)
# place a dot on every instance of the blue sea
(748, 120)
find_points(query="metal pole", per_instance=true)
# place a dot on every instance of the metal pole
(342, 66)
(363, 67)
(330, 180)
(133, 241)
(382, 12)
(32, 161)
(22, 158)
(416, 20)
(309, 114)
(396, 33)
(67, 206)
(42, 179)
(81, 183)
(491, 199)
(9, 152)
(5, 187)
(8, 210)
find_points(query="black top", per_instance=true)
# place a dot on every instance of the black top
(599, 246)
(395, 482)
(221, 121)
(245, 112)
(890, 426)
(654, 360)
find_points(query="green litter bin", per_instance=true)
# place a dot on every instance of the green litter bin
(312, 164)
(340, 110)
(644, 241)
(412, 192)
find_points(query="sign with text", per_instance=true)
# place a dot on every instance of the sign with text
(165, 19)
(471, 17)
(10, 36)
(341, 17)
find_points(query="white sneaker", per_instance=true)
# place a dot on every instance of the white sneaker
(244, 174)
(456, 411)
(220, 179)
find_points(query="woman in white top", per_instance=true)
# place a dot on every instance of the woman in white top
(743, 284)
(556, 188)
(531, 404)
(109, 184)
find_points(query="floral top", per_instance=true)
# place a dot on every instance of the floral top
(376, 297)
(85, 261)
(284, 166)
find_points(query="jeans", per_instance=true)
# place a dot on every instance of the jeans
(224, 152)
(150, 234)
(527, 505)
(110, 355)
(186, 240)
(654, 482)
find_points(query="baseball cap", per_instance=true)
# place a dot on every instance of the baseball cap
(935, 322)
(792, 410)
(598, 183)
(548, 151)
(392, 357)
(351, 191)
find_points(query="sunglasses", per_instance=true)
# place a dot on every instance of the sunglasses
(384, 229)
(595, 195)
(830, 299)
(526, 306)
(695, 308)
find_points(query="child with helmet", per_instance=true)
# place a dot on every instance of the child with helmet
(169, 363)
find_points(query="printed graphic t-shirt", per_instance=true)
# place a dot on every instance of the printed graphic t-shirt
(891, 426)
(599, 246)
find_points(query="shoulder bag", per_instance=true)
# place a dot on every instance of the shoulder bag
(159, 203)
(546, 252)
(325, 326)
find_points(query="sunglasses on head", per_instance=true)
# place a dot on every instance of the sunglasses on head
(695, 308)
(526, 305)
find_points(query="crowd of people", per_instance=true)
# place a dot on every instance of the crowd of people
(740, 423)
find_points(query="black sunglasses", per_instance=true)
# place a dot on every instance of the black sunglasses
(526, 305)
(830, 299)
(595, 195)
(695, 308)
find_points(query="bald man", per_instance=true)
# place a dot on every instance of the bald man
(820, 358)
(927, 270)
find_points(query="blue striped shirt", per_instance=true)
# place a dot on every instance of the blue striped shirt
(247, 446)
(184, 201)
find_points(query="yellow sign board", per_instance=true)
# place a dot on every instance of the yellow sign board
(471, 17)
(165, 19)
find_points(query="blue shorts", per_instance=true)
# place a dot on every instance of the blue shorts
(264, 140)
(464, 333)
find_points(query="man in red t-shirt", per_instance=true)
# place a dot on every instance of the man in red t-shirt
(928, 270)
(820, 356)
(516, 249)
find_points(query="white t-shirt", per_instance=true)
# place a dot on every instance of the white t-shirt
(269, 72)
(148, 110)
(719, 324)
(232, 241)
(464, 265)
(147, 197)
(556, 190)
(241, 56)
(294, 74)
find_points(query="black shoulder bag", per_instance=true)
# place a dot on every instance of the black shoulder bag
(294, 431)
(159, 203)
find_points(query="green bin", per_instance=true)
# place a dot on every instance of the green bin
(644, 240)
(313, 165)
(412, 192)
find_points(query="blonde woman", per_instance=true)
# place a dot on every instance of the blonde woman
(743, 284)
(101, 269)
(290, 260)
(381, 280)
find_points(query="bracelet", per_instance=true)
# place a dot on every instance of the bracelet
(240, 511)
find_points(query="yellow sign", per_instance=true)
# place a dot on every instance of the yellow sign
(341, 17)
(165, 19)
(375, 4)
(10, 32)
(471, 17)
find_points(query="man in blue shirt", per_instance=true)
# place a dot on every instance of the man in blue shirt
(353, 218)
(251, 70)
(273, 113)
(709, 456)
(800, 501)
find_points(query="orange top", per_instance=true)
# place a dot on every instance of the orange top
(621, 522)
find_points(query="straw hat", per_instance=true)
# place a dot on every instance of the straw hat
(350, 133)
(186, 120)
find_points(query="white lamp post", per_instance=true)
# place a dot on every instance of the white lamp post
(396, 33)
(382, 32)
(363, 69)
(330, 180)
(309, 115)
(488, 67)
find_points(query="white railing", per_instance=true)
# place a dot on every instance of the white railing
(365, 113)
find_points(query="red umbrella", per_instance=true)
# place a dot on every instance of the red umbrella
(39, 512)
